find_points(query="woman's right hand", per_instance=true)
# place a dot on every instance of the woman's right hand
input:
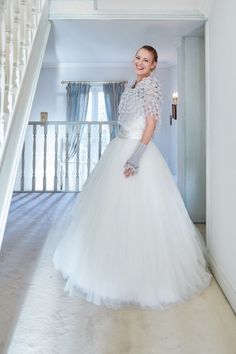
(129, 170)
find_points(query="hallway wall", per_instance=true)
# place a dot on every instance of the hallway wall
(166, 137)
(221, 144)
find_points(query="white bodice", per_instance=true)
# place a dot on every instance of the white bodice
(136, 104)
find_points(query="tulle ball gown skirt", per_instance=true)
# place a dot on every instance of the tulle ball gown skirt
(130, 241)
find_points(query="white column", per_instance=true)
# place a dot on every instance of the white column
(191, 126)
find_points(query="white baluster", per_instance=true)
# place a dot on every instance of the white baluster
(29, 32)
(2, 67)
(89, 150)
(8, 101)
(38, 5)
(36, 11)
(2, 48)
(78, 158)
(23, 49)
(67, 160)
(16, 43)
(23, 169)
(100, 141)
(34, 17)
(56, 158)
(34, 157)
(110, 126)
(45, 158)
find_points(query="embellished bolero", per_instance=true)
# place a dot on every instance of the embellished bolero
(138, 102)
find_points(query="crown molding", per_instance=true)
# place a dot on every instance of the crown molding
(85, 65)
(109, 15)
(52, 65)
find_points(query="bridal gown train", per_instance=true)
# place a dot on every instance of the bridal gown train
(130, 241)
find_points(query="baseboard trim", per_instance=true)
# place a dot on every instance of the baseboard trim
(224, 283)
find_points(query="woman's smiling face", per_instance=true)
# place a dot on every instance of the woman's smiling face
(143, 63)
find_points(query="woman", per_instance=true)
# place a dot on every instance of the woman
(129, 239)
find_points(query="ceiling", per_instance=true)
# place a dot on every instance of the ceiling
(76, 8)
(114, 42)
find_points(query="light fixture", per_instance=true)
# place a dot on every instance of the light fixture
(174, 106)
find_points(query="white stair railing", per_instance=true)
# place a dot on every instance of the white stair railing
(18, 25)
(46, 162)
(24, 31)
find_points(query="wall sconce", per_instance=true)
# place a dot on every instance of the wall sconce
(174, 106)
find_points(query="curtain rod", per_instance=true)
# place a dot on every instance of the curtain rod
(93, 82)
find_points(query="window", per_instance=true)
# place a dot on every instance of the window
(96, 105)
(96, 112)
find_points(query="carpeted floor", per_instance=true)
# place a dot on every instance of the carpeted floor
(36, 316)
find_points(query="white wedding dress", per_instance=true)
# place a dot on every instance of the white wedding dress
(130, 241)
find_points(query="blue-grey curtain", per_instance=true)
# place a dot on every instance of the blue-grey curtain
(76, 111)
(112, 94)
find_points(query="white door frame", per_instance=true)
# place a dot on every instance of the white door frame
(208, 157)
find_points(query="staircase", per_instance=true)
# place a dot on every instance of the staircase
(24, 31)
